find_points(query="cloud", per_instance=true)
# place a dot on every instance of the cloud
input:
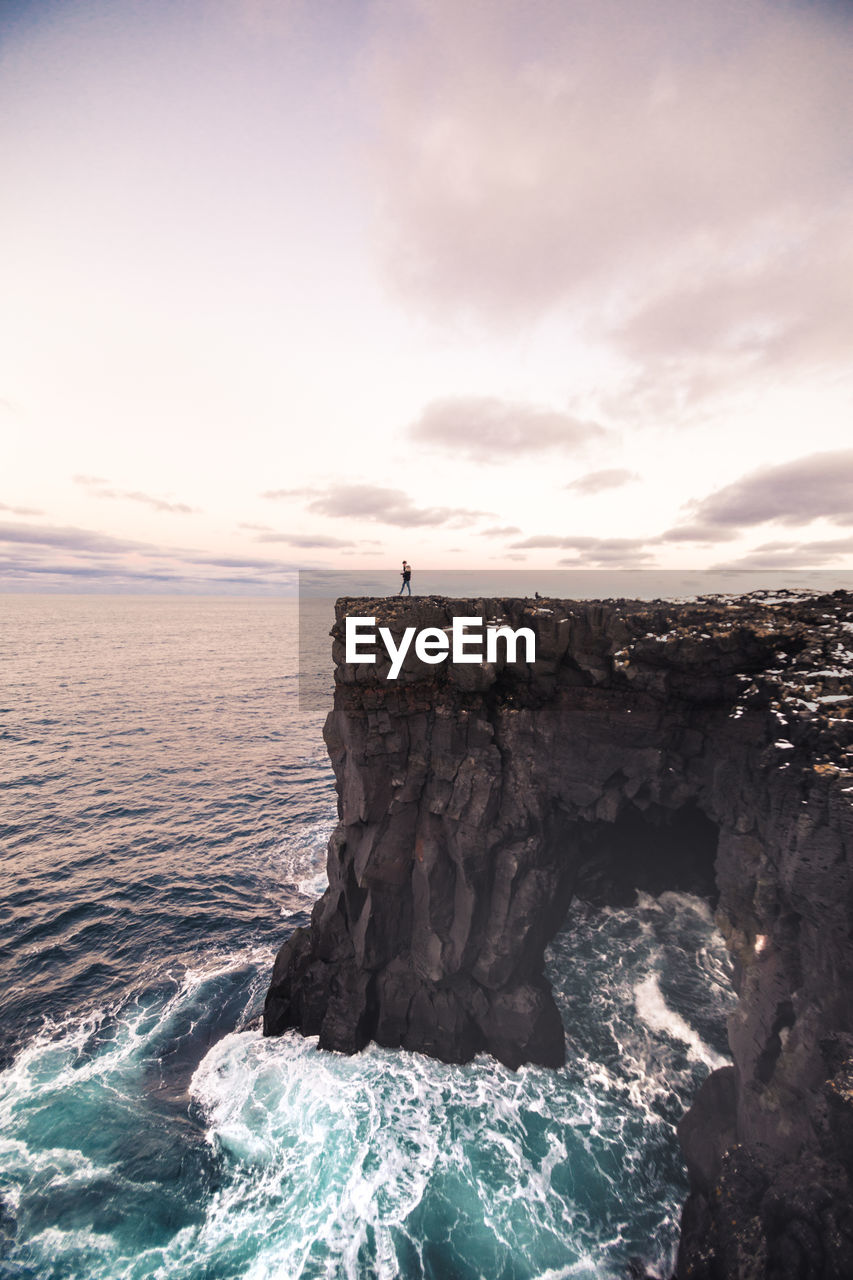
(592, 550)
(549, 540)
(159, 504)
(597, 481)
(388, 506)
(778, 309)
(781, 555)
(793, 493)
(111, 575)
(74, 577)
(487, 429)
(67, 557)
(68, 537)
(303, 540)
(33, 540)
(243, 562)
(528, 150)
(706, 533)
(256, 528)
(21, 511)
(610, 553)
(96, 487)
(786, 301)
(499, 531)
(288, 493)
(676, 177)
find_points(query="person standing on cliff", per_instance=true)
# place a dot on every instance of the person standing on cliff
(406, 585)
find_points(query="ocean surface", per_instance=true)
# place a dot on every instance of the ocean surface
(164, 810)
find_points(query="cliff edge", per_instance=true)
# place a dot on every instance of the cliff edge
(704, 745)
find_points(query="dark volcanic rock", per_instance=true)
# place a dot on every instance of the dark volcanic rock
(701, 745)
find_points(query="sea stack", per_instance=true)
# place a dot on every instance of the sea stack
(705, 745)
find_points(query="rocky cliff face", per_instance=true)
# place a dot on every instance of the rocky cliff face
(706, 746)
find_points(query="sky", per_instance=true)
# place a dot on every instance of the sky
(479, 283)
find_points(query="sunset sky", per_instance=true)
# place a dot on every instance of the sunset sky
(483, 283)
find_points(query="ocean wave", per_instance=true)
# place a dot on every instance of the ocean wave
(164, 1137)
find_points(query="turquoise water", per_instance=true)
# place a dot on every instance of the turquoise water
(163, 829)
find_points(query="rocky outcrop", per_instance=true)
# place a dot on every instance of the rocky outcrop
(703, 745)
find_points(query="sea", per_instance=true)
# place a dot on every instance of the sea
(165, 805)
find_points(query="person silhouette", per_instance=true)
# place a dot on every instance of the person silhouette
(406, 584)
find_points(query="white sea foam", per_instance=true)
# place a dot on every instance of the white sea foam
(302, 862)
(330, 1166)
(377, 1134)
(657, 1014)
(345, 1147)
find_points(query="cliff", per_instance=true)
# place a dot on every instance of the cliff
(703, 745)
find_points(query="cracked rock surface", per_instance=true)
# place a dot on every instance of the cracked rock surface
(705, 745)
